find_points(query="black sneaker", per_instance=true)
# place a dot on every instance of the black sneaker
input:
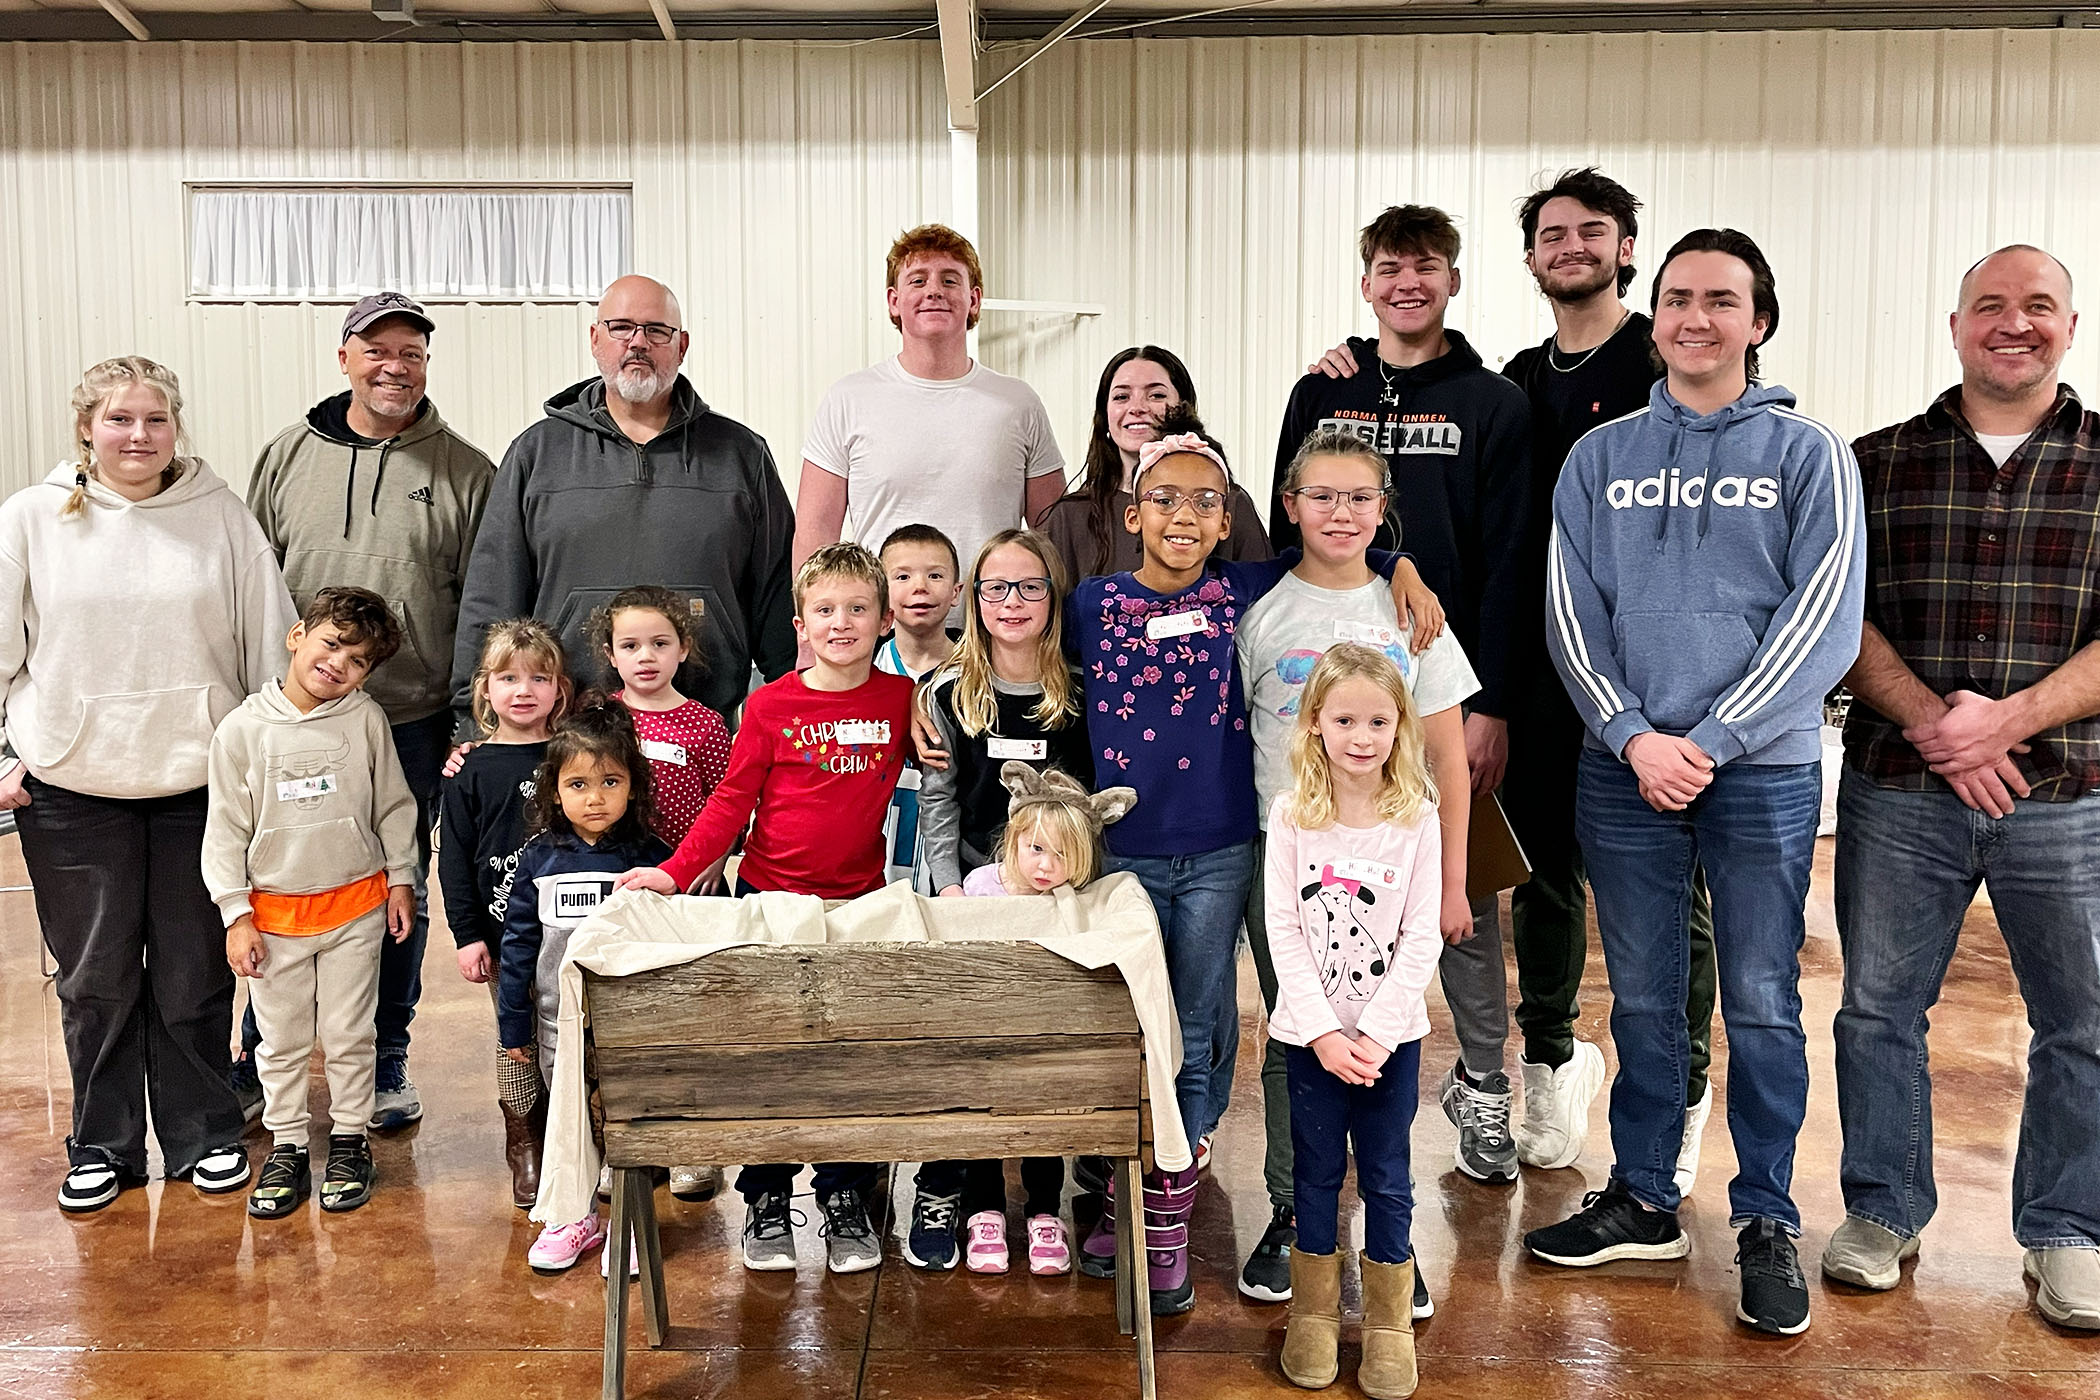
(93, 1185)
(286, 1181)
(1422, 1306)
(394, 1101)
(1775, 1296)
(347, 1184)
(769, 1233)
(224, 1168)
(931, 1242)
(1266, 1276)
(1611, 1225)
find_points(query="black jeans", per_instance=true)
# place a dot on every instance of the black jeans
(421, 745)
(982, 1184)
(144, 991)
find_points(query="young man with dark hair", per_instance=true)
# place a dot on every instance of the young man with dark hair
(1972, 755)
(1456, 437)
(1704, 586)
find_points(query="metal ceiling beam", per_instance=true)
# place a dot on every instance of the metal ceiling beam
(958, 21)
(122, 14)
(1426, 17)
(1049, 42)
(663, 20)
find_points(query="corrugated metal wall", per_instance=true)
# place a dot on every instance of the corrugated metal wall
(1206, 191)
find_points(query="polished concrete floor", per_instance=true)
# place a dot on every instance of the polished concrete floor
(425, 1292)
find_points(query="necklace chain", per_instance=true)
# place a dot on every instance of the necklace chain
(1553, 348)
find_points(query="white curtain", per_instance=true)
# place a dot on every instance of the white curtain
(558, 244)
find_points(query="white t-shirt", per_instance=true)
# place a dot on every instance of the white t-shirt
(1284, 634)
(952, 453)
(2001, 446)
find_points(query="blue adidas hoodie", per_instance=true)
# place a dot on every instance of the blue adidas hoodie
(1706, 576)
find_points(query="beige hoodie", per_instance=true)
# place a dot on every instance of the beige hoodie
(129, 631)
(305, 803)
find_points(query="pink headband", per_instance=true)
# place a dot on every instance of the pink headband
(1150, 453)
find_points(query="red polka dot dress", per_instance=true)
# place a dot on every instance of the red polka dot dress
(688, 752)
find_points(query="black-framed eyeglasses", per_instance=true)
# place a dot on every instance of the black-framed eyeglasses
(995, 590)
(1327, 500)
(1166, 498)
(656, 331)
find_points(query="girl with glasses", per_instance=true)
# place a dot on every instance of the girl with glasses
(1007, 695)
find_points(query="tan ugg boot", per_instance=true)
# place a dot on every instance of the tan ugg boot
(1388, 1370)
(1316, 1319)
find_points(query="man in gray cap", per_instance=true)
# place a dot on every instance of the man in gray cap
(373, 489)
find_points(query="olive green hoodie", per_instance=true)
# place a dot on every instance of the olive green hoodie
(397, 517)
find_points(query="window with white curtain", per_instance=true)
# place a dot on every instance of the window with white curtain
(294, 241)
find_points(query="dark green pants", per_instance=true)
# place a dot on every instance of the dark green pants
(1549, 912)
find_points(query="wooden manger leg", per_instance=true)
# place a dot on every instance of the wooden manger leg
(1126, 1253)
(655, 1314)
(1130, 1191)
(626, 1183)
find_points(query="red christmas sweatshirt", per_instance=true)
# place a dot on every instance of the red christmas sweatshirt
(818, 767)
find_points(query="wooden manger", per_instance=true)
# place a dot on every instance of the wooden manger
(923, 1051)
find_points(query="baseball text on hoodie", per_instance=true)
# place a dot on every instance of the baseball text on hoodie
(397, 517)
(1705, 576)
(305, 804)
(129, 631)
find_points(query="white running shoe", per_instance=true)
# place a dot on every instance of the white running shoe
(1694, 1130)
(1556, 1125)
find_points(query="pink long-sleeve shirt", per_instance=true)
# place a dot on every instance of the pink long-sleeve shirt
(1351, 916)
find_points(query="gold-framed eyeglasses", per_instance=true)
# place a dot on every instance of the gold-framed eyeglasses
(1326, 500)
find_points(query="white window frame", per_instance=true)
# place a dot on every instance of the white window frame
(190, 188)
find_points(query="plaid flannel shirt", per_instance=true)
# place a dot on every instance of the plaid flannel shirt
(1982, 577)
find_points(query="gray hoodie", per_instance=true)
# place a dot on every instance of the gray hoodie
(397, 517)
(1706, 576)
(580, 512)
(304, 803)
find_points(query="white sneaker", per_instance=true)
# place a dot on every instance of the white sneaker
(696, 1183)
(1557, 1101)
(1694, 1130)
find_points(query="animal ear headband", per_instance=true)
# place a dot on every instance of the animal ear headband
(1052, 788)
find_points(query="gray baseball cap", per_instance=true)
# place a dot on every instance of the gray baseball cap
(380, 305)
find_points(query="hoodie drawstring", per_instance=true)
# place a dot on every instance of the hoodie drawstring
(349, 490)
(380, 475)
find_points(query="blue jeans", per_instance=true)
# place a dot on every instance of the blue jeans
(1754, 832)
(1200, 900)
(1327, 1117)
(1908, 863)
(421, 746)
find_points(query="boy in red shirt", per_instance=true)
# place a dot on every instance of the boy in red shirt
(816, 760)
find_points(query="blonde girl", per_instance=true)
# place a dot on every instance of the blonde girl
(521, 690)
(1354, 880)
(139, 604)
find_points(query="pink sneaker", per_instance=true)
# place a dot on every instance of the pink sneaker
(1049, 1247)
(986, 1251)
(560, 1246)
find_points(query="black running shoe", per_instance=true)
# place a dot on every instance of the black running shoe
(931, 1242)
(1266, 1277)
(286, 1181)
(1775, 1296)
(347, 1184)
(1611, 1225)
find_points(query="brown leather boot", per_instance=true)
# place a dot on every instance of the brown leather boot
(1388, 1370)
(521, 1149)
(1316, 1320)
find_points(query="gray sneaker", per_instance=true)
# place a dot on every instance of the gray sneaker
(850, 1242)
(1867, 1255)
(1486, 1151)
(394, 1101)
(2066, 1285)
(769, 1233)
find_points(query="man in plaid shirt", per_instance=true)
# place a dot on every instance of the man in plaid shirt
(1972, 755)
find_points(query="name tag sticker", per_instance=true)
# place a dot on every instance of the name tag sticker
(663, 753)
(864, 731)
(1370, 634)
(996, 747)
(908, 779)
(1176, 625)
(293, 789)
(1370, 872)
